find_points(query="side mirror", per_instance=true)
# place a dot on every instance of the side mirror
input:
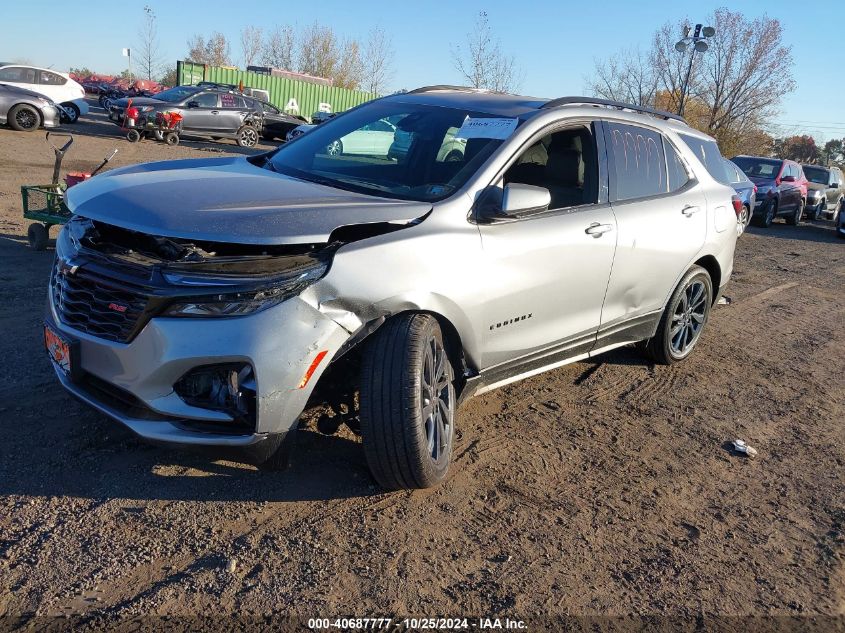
(520, 199)
(835, 185)
(193, 104)
(788, 179)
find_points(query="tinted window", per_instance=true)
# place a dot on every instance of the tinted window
(564, 163)
(10, 74)
(639, 165)
(176, 94)
(678, 175)
(708, 153)
(18, 75)
(270, 109)
(206, 100)
(758, 167)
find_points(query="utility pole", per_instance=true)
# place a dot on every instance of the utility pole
(697, 38)
(127, 53)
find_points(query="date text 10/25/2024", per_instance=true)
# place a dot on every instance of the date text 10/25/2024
(417, 624)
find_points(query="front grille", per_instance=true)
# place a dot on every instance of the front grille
(97, 305)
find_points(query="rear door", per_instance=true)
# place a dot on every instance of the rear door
(661, 215)
(54, 86)
(232, 112)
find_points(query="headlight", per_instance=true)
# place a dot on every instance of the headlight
(242, 301)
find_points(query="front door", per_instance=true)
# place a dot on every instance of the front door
(203, 118)
(547, 273)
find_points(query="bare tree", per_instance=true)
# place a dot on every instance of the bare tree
(214, 51)
(252, 42)
(482, 63)
(322, 54)
(279, 49)
(377, 61)
(149, 48)
(628, 77)
(735, 87)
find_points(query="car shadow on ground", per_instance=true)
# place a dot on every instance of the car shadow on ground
(822, 231)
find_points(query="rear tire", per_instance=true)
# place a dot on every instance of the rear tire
(133, 136)
(37, 235)
(24, 118)
(683, 319)
(408, 403)
(171, 138)
(794, 218)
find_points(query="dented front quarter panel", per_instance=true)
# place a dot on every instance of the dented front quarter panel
(433, 266)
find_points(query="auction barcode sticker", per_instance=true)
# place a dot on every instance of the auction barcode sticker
(493, 128)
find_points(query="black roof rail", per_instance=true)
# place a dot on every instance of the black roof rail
(611, 104)
(445, 87)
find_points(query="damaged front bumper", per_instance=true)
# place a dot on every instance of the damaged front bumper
(160, 380)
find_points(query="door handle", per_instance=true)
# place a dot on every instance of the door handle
(690, 210)
(215, 112)
(597, 230)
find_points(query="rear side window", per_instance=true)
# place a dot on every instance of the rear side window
(708, 153)
(47, 78)
(678, 175)
(639, 162)
(228, 100)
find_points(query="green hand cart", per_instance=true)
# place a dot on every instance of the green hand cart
(45, 204)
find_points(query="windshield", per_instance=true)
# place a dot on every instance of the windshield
(817, 175)
(395, 150)
(758, 167)
(176, 94)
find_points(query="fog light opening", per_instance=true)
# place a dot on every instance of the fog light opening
(229, 388)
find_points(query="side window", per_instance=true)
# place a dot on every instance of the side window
(206, 99)
(228, 100)
(565, 163)
(678, 174)
(51, 79)
(708, 153)
(638, 164)
(10, 74)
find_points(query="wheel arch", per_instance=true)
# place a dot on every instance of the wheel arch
(711, 265)
(38, 112)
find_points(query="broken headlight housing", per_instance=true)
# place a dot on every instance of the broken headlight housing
(242, 299)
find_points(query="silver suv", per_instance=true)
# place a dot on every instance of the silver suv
(208, 302)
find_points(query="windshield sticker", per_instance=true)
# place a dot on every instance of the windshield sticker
(487, 128)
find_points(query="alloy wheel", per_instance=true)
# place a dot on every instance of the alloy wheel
(249, 137)
(436, 401)
(26, 119)
(688, 318)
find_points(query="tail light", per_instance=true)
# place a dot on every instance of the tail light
(755, 188)
(737, 202)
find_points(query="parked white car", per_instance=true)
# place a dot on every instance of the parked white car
(56, 86)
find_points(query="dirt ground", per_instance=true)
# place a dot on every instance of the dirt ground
(601, 488)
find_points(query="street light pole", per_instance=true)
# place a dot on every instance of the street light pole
(697, 39)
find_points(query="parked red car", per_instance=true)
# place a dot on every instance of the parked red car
(781, 188)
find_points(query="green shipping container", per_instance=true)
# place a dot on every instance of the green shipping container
(291, 95)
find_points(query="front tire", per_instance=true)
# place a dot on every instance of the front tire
(769, 213)
(24, 118)
(683, 319)
(247, 136)
(795, 217)
(37, 235)
(72, 112)
(408, 403)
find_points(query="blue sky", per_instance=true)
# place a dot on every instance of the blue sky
(554, 42)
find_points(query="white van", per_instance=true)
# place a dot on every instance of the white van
(56, 86)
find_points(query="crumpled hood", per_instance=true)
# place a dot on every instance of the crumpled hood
(228, 200)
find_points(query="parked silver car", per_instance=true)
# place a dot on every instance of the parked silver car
(207, 302)
(825, 190)
(26, 111)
